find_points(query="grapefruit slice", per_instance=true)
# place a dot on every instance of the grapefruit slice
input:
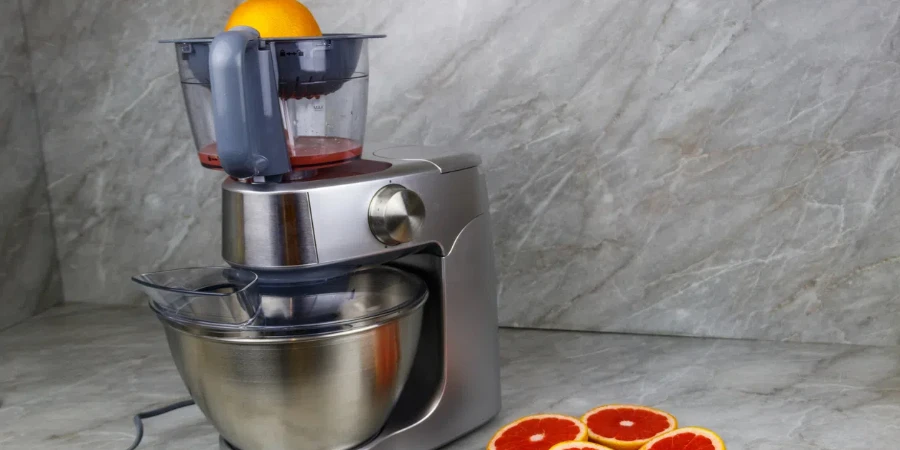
(576, 445)
(688, 438)
(627, 427)
(538, 432)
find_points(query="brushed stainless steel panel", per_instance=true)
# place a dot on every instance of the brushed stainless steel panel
(446, 159)
(267, 230)
(259, 231)
(469, 392)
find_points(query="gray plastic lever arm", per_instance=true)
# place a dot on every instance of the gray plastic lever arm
(250, 134)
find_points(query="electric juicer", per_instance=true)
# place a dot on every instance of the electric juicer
(358, 307)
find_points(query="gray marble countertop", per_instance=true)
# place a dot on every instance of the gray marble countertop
(73, 377)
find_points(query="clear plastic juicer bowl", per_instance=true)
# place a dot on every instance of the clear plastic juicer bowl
(317, 88)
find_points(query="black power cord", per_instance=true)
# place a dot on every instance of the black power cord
(138, 418)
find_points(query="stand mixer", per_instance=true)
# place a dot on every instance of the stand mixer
(358, 308)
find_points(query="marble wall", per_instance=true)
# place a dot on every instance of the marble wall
(717, 168)
(127, 193)
(29, 278)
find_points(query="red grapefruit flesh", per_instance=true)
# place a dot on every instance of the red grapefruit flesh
(575, 445)
(627, 427)
(688, 438)
(538, 432)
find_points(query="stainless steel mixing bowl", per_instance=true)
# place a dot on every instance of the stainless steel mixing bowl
(328, 385)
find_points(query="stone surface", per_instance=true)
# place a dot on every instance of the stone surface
(73, 377)
(661, 166)
(29, 275)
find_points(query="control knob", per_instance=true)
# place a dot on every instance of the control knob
(396, 214)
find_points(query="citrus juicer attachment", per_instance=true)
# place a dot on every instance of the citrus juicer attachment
(260, 108)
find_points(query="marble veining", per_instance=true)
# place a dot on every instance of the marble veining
(72, 378)
(713, 168)
(29, 275)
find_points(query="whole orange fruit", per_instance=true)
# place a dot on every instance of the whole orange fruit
(275, 18)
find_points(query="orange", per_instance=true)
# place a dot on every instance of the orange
(275, 18)
(575, 445)
(627, 427)
(538, 432)
(688, 438)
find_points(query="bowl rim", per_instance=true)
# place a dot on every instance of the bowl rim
(256, 337)
(319, 330)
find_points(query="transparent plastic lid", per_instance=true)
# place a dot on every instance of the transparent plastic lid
(306, 67)
(222, 299)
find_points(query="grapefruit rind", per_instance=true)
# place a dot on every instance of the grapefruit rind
(568, 445)
(582, 434)
(626, 445)
(715, 438)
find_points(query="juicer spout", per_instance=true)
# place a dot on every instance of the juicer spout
(206, 295)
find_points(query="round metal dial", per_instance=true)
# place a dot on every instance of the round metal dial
(396, 214)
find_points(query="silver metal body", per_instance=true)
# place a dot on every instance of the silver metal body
(310, 229)
(288, 226)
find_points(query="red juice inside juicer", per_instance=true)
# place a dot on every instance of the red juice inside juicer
(305, 151)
